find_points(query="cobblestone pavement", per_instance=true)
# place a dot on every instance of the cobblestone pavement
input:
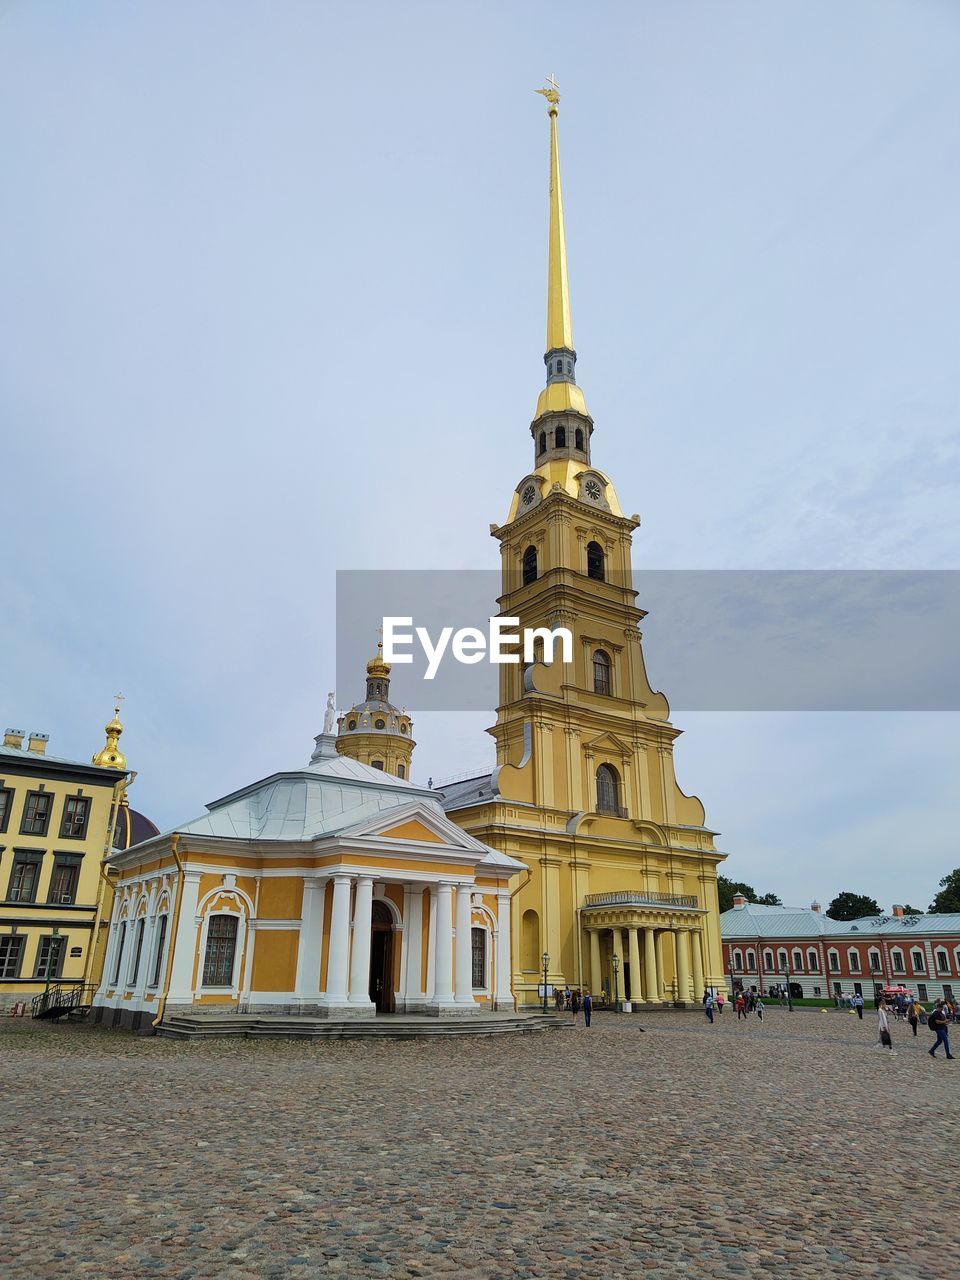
(791, 1149)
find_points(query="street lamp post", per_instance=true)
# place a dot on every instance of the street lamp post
(546, 965)
(51, 953)
(786, 974)
(616, 985)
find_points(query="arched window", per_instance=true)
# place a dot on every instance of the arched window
(478, 957)
(833, 960)
(529, 565)
(559, 366)
(918, 961)
(530, 935)
(608, 789)
(542, 442)
(158, 956)
(401, 771)
(873, 959)
(601, 672)
(853, 960)
(578, 438)
(813, 961)
(221, 950)
(943, 961)
(768, 960)
(737, 961)
(798, 960)
(595, 561)
(560, 438)
(137, 952)
(751, 961)
(376, 764)
(896, 961)
(119, 960)
(781, 960)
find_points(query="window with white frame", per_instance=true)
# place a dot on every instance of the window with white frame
(478, 955)
(797, 960)
(873, 958)
(221, 950)
(158, 953)
(118, 959)
(813, 961)
(833, 960)
(782, 959)
(768, 960)
(738, 961)
(853, 960)
(918, 960)
(751, 960)
(943, 961)
(896, 961)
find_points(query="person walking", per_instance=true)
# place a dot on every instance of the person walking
(741, 1007)
(587, 1008)
(721, 998)
(575, 1006)
(914, 1011)
(885, 1040)
(937, 1022)
(759, 1008)
(858, 1005)
(708, 1006)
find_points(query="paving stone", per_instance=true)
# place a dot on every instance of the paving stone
(724, 1151)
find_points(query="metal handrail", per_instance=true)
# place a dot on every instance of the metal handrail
(627, 897)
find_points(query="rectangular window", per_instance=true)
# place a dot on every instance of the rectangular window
(943, 962)
(478, 945)
(6, 804)
(918, 961)
(11, 954)
(76, 810)
(36, 813)
(158, 960)
(221, 949)
(137, 949)
(24, 877)
(921, 991)
(63, 881)
(854, 958)
(50, 957)
(898, 966)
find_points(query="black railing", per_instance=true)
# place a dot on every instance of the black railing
(62, 998)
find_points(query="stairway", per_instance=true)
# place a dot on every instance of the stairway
(203, 1026)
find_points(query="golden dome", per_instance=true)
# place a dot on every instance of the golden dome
(110, 756)
(376, 666)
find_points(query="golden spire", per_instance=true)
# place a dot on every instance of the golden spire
(111, 757)
(559, 328)
(561, 392)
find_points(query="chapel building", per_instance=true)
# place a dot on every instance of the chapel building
(621, 891)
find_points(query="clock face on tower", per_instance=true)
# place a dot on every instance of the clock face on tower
(593, 491)
(528, 495)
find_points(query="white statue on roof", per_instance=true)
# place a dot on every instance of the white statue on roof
(330, 714)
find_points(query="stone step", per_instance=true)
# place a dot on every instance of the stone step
(206, 1026)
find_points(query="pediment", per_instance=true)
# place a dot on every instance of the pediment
(415, 822)
(412, 829)
(609, 743)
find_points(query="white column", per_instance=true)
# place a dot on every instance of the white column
(464, 968)
(503, 990)
(339, 948)
(360, 952)
(696, 939)
(432, 946)
(307, 988)
(616, 988)
(185, 943)
(443, 957)
(683, 965)
(412, 947)
(651, 977)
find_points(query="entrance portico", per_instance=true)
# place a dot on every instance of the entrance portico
(657, 939)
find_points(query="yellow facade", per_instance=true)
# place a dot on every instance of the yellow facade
(622, 883)
(57, 819)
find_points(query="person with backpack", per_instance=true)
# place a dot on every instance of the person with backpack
(937, 1022)
(587, 1008)
(914, 1010)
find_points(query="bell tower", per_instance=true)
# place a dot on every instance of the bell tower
(623, 883)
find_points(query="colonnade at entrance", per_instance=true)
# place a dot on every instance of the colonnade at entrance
(656, 964)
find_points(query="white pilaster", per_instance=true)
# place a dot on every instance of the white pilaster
(443, 998)
(503, 991)
(432, 945)
(185, 944)
(339, 948)
(360, 951)
(464, 967)
(412, 958)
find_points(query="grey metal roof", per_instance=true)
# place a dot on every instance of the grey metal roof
(466, 791)
(34, 757)
(755, 921)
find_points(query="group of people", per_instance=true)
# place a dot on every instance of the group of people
(574, 1002)
(744, 1003)
(938, 1020)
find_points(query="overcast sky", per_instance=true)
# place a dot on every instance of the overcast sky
(272, 304)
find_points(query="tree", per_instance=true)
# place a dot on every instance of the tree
(948, 899)
(851, 906)
(727, 888)
(912, 911)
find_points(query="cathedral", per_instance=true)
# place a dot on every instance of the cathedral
(341, 889)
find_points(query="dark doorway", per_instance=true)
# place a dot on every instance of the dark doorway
(381, 958)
